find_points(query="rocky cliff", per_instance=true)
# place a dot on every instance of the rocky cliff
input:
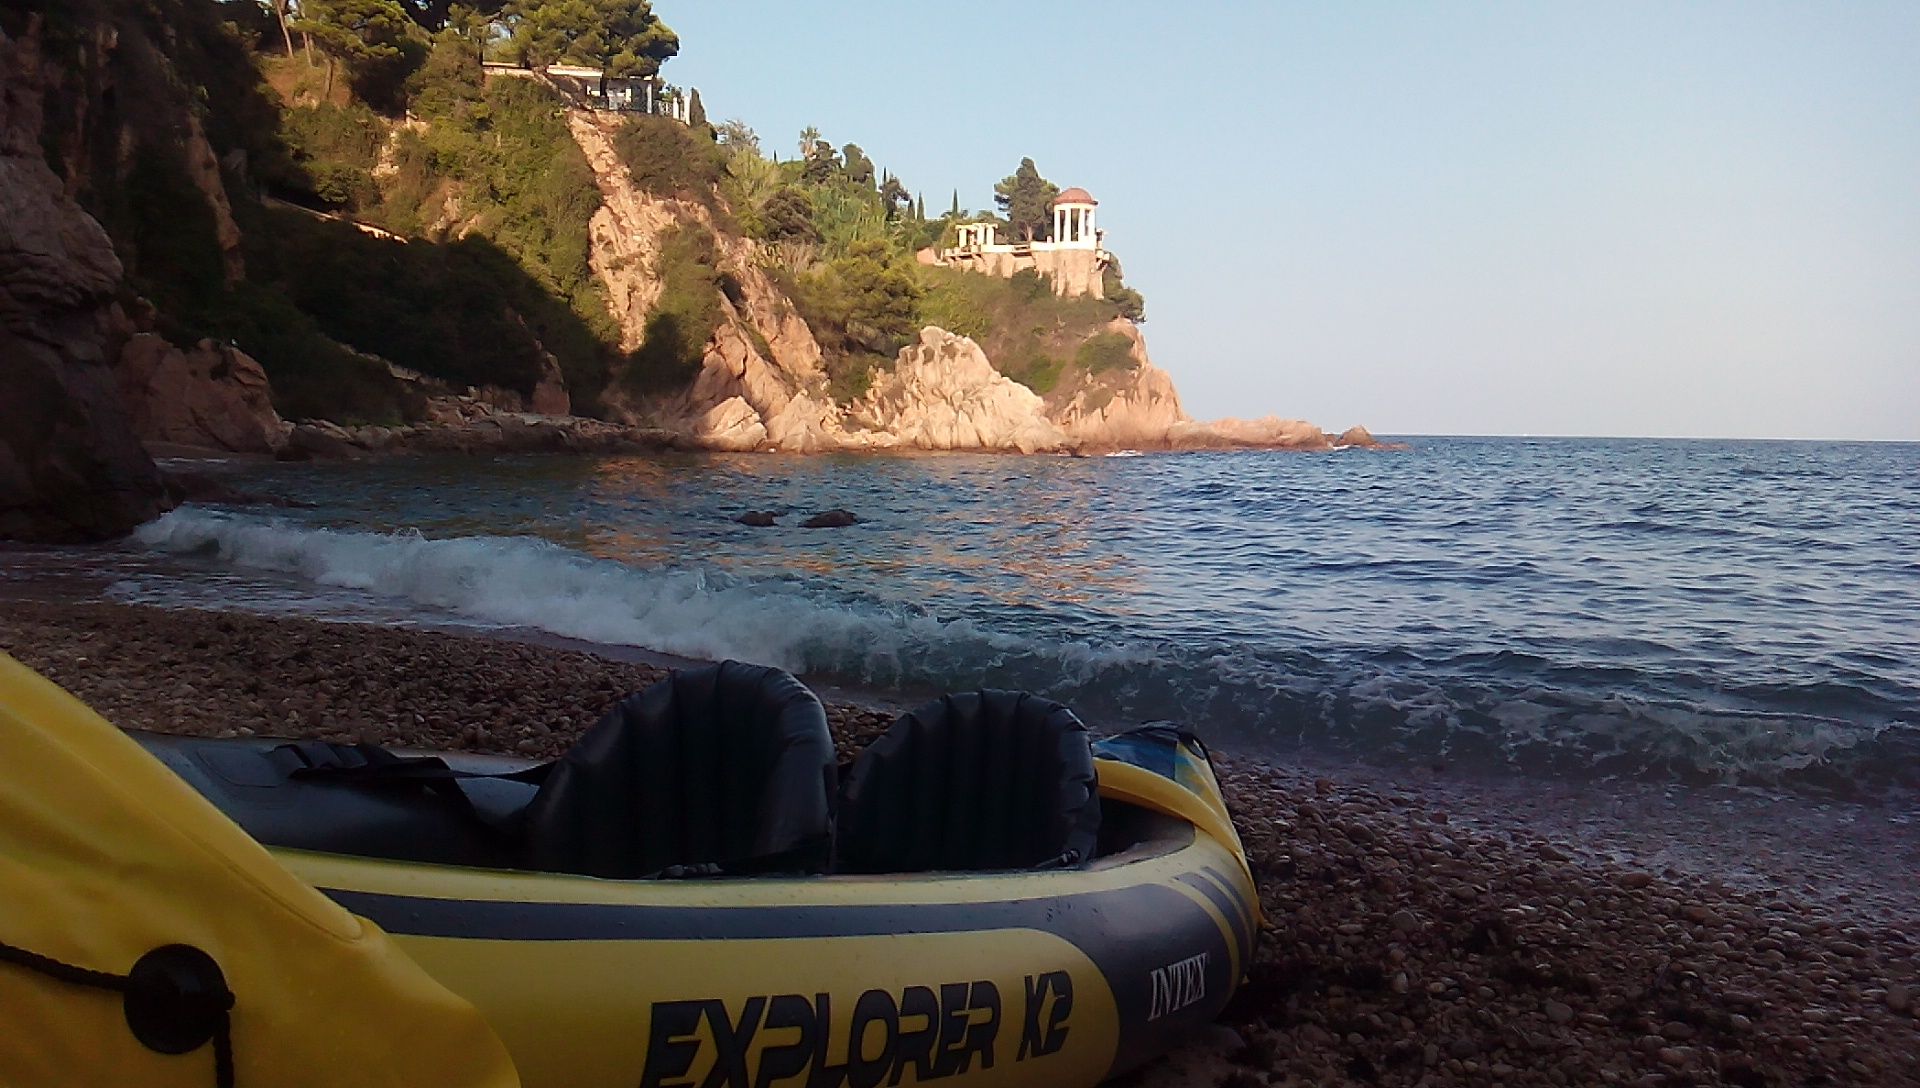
(762, 384)
(154, 287)
(70, 466)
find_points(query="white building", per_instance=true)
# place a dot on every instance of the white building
(1075, 257)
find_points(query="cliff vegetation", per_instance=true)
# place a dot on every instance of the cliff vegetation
(378, 114)
(348, 195)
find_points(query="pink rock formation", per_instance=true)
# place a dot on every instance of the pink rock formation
(1132, 410)
(943, 394)
(212, 395)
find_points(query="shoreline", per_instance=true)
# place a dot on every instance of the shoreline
(1423, 928)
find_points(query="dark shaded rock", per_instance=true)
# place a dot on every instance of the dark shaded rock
(1361, 438)
(831, 519)
(318, 441)
(211, 395)
(759, 519)
(70, 466)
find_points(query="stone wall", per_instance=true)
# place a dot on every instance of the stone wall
(1073, 271)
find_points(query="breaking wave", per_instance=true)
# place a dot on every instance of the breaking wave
(1522, 711)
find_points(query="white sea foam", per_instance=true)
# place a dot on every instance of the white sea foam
(528, 582)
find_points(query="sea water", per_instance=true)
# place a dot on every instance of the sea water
(1683, 611)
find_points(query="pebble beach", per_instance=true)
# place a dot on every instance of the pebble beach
(1420, 931)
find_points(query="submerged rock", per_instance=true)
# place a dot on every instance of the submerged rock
(830, 519)
(759, 519)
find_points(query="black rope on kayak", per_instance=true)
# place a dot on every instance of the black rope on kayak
(175, 999)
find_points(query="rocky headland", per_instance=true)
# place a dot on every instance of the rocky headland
(184, 325)
(1417, 933)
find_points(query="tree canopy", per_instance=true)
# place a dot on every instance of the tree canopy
(376, 40)
(1026, 199)
(620, 37)
(859, 167)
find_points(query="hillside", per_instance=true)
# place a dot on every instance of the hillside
(386, 236)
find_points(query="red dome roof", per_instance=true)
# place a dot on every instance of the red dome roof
(1075, 195)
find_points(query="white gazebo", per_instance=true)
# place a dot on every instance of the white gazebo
(977, 237)
(1073, 220)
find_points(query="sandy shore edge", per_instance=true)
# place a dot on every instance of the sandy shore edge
(1407, 943)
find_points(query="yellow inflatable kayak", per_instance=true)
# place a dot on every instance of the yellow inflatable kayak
(691, 897)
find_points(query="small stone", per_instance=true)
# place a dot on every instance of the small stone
(1677, 1056)
(1462, 1047)
(1899, 997)
(1404, 921)
(1558, 1011)
(1635, 880)
(1675, 1030)
(1221, 1038)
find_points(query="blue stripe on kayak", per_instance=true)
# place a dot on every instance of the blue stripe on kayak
(493, 920)
(1227, 904)
(1245, 915)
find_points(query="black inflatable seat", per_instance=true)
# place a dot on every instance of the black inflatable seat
(976, 781)
(726, 768)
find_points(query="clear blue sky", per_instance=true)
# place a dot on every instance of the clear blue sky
(1617, 218)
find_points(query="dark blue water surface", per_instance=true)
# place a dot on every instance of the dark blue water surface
(1700, 611)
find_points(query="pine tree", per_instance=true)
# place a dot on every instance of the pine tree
(375, 39)
(1026, 199)
(621, 37)
(859, 167)
(955, 210)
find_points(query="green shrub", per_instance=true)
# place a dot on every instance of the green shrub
(1038, 372)
(464, 311)
(1029, 285)
(312, 376)
(684, 319)
(668, 159)
(1029, 333)
(1131, 304)
(866, 303)
(850, 376)
(1107, 352)
(166, 233)
(342, 185)
(331, 151)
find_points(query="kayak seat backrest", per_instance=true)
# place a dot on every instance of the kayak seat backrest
(985, 780)
(727, 768)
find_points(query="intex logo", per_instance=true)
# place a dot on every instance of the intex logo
(1177, 985)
